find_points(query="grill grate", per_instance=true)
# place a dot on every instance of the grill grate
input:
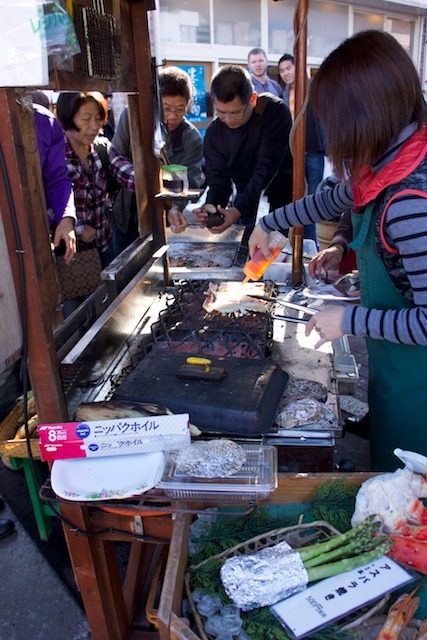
(184, 327)
(181, 327)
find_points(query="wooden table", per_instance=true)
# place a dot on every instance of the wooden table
(110, 605)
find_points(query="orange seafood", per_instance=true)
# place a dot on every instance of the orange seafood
(400, 613)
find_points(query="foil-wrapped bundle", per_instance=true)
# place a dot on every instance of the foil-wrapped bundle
(219, 458)
(263, 578)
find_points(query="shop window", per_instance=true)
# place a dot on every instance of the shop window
(403, 31)
(280, 27)
(327, 27)
(237, 23)
(185, 21)
(363, 21)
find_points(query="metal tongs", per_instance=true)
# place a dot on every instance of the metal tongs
(289, 305)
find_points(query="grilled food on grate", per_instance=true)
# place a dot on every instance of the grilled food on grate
(234, 298)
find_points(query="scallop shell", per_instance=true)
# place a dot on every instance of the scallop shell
(215, 218)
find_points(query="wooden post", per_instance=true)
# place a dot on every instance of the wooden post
(23, 209)
(145, 83)
(300, 51)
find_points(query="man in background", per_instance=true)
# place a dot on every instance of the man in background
(184, 147)
(315, 142)
(246, 145)
(258, 65)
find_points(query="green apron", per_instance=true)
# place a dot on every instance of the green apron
(397, 392)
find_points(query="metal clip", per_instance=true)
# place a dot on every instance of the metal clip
(139, 527)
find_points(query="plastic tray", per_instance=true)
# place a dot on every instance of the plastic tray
(256, 479)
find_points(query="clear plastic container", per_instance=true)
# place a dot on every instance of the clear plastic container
(255, 268)
(174, 178)
(256, 479)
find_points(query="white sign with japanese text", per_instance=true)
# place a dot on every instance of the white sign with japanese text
(333, 598)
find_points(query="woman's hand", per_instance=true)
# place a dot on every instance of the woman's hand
(177, 220)
(327, 323)
(326, 260)
(259, 240)
(65, 231)
(88, 234)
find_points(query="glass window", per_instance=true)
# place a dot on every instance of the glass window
(403, 31)
(237, 22)
(363, 21)
(327, 27)
(281, 27)
(184, 21)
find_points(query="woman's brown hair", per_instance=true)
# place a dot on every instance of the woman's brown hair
(69, 102)
(365, 92)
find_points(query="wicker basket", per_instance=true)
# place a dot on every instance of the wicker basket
(297, 536)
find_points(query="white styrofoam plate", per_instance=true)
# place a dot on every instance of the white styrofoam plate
(106, 478)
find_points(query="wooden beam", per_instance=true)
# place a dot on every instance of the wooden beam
(97, 576)
(300, 50)
(23, 209)
(145, 82)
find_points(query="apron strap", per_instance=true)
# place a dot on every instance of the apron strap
(364, 228)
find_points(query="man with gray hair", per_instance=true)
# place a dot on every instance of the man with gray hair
(258, 65)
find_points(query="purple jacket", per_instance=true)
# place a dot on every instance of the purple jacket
(51, 144)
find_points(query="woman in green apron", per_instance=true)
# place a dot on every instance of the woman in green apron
(368, 96)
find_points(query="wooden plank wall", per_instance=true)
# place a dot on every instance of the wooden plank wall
(10, 321)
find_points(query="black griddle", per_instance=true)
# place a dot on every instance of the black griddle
(244, 402)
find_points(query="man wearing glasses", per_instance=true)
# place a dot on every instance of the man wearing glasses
(247, 145)
(185, 147)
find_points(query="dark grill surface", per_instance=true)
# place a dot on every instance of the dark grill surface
(185, 327)
(182, 327)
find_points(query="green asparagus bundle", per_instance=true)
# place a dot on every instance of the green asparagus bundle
(275, 573)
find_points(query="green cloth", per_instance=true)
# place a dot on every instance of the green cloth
(396, 371)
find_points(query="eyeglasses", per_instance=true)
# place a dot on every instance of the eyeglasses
(180, 111)
(235, 116)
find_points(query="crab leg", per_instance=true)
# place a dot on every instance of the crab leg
(398, 617)
(422, 631)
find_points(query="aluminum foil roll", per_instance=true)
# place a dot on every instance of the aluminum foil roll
(265, 577)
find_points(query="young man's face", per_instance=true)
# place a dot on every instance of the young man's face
(287, 72)
(174, 110)
(257, 63)
(235, 113)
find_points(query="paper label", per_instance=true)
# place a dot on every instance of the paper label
(333, 598)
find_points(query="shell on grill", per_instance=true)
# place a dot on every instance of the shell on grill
(349, 284)
(215, 218)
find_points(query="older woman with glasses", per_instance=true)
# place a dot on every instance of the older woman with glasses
(247, 145)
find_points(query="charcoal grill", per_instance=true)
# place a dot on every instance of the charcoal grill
(147, 317)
